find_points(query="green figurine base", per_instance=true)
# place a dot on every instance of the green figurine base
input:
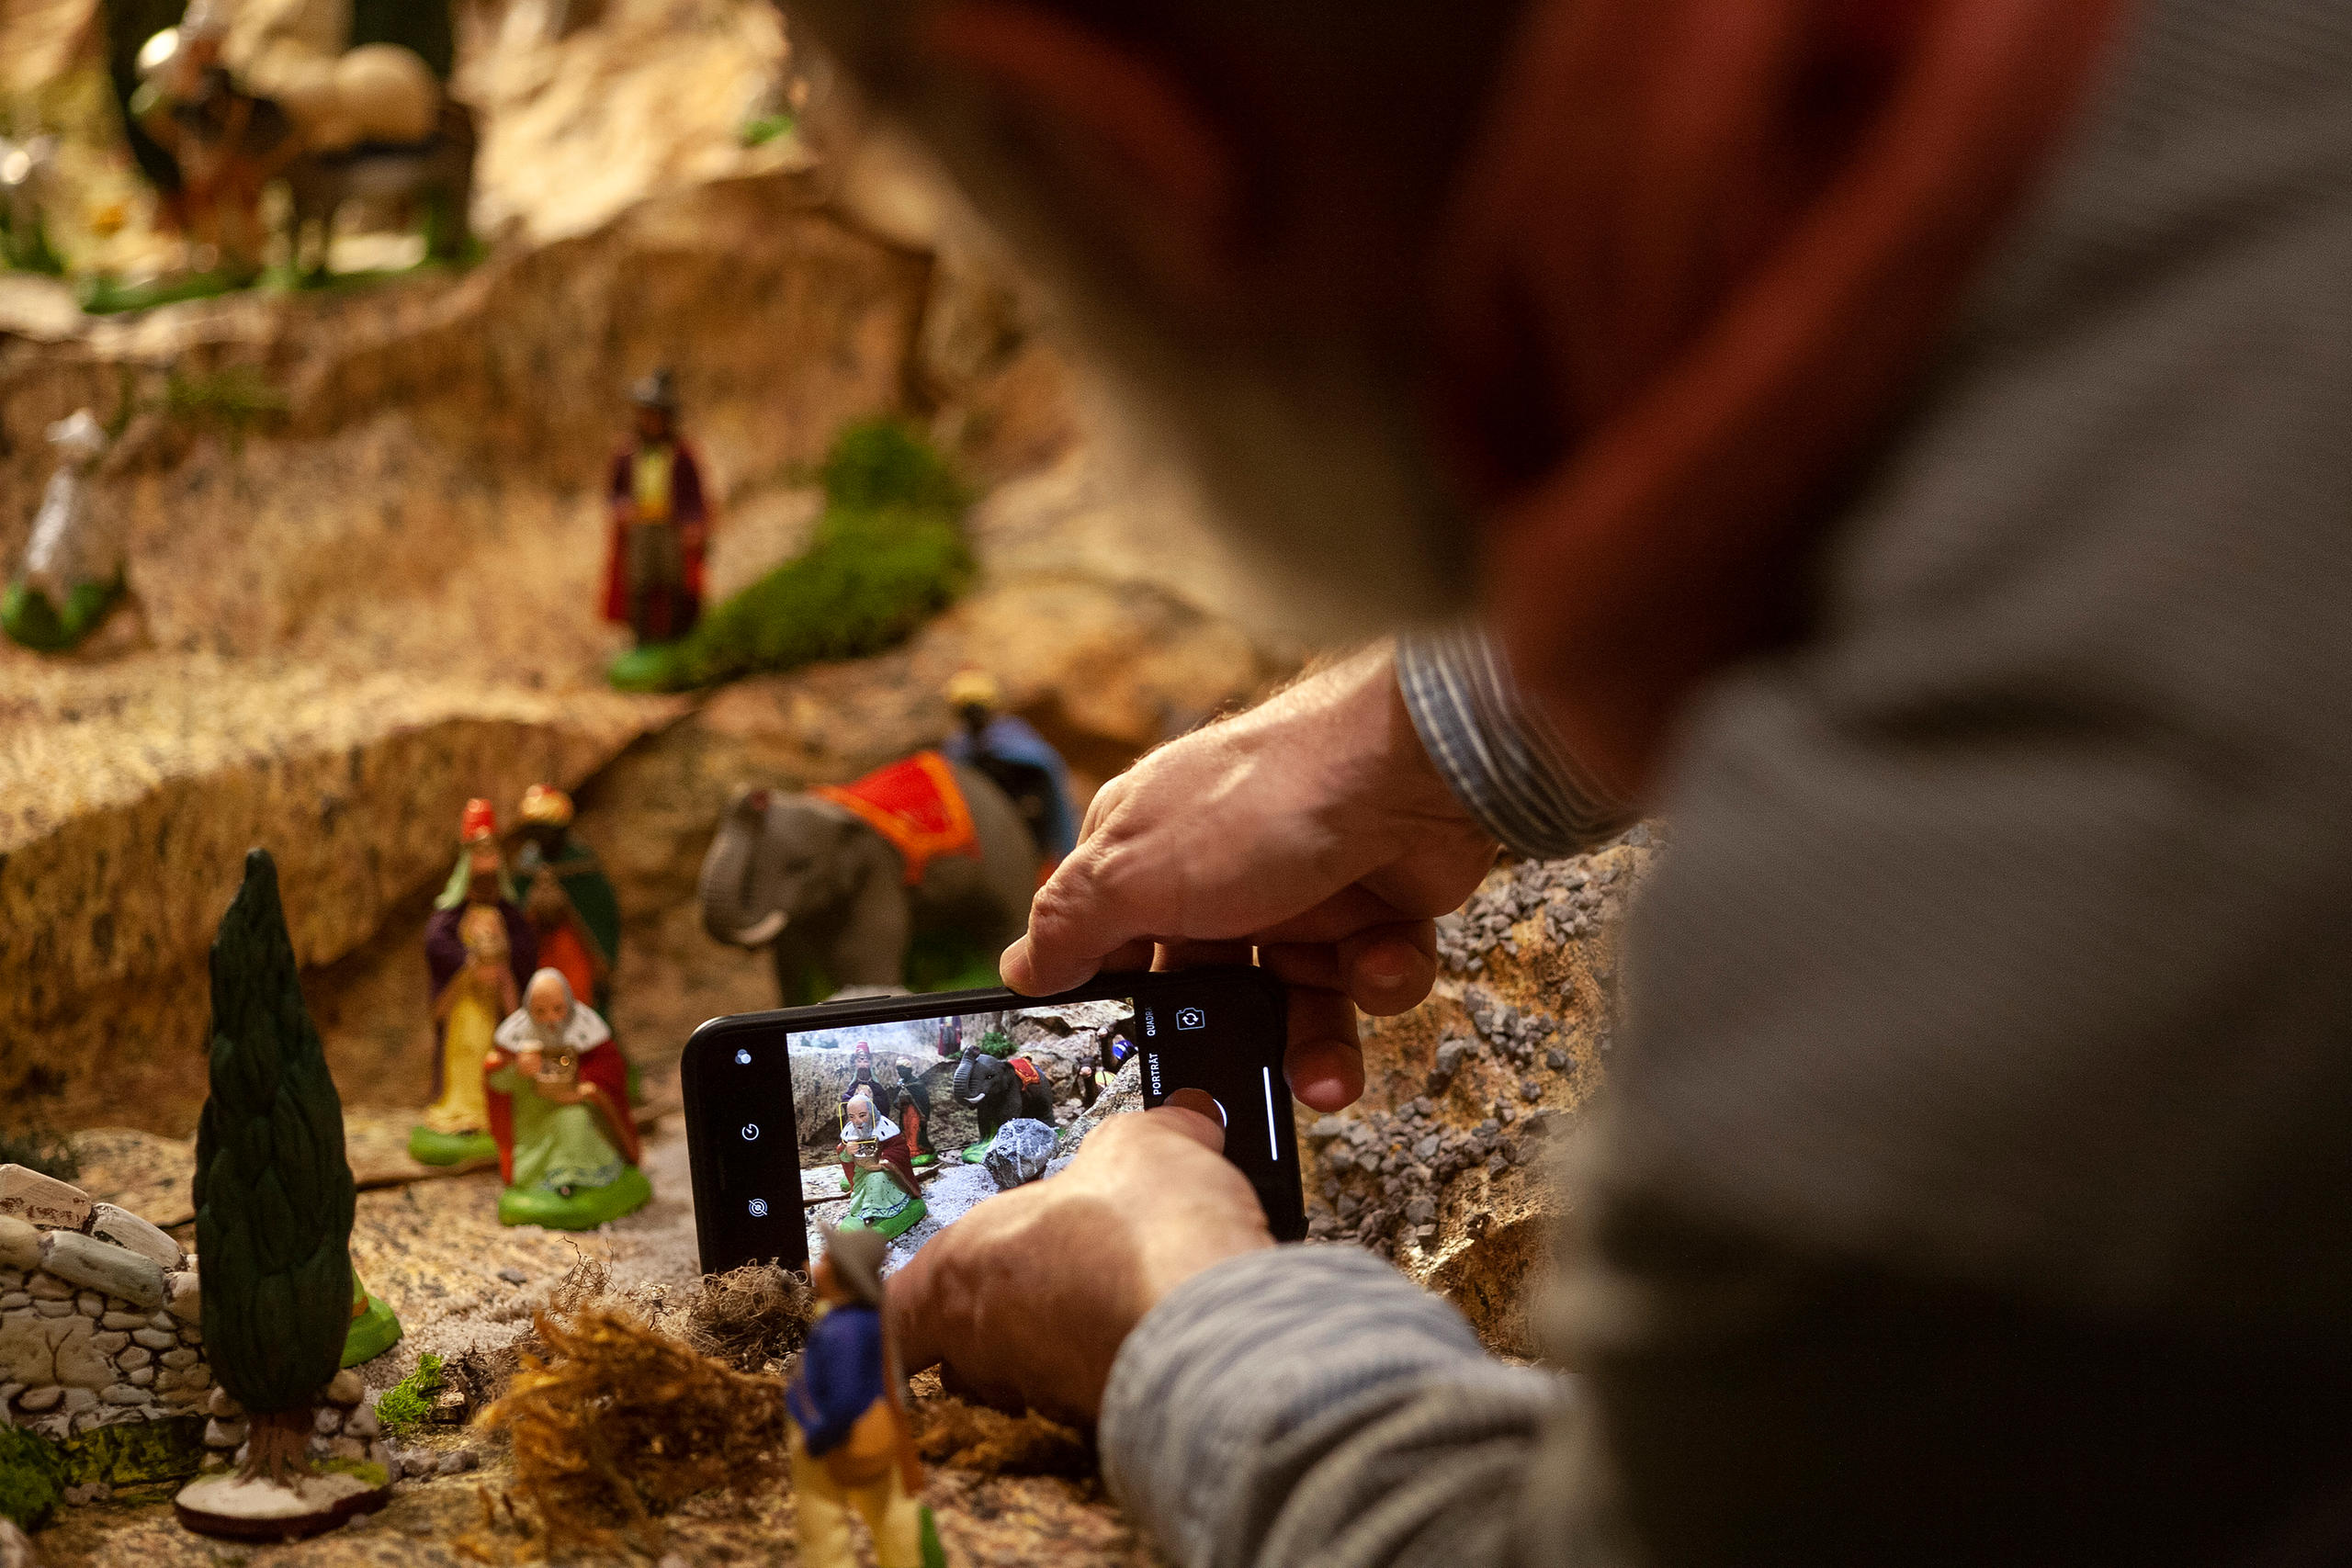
(373, 1332)
(892, 1226)
(428, 1147)
(583, 1210)
(29, 619)
(653, 667)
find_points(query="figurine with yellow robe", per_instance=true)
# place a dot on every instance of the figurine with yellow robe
(479, 950)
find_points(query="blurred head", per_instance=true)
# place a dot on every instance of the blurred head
(1553, 300)
(653, 402)
(484, 933)
(850, 1271)
(549, 998)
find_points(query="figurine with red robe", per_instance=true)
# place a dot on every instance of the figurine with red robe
(480, 950)
(559, 1107)
(653, 576)
(568, 898)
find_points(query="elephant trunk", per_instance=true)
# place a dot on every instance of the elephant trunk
(963, 1079)
(729, 910)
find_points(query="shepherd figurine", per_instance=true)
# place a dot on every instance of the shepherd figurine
(852, 1446)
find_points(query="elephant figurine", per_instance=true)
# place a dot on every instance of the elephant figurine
(1000, 1089)
(839, 884)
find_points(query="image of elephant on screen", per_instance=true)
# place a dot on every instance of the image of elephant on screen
(998, 1090)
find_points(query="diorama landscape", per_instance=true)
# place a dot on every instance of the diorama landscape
(364, 527)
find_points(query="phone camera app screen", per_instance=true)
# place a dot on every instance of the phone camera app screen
(904, 1126)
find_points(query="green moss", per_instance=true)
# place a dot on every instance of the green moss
(372, 1473)
(32, 1474)
(763, 129)
(136, 1451)
(881, 463)
(235, 395)
(888, 553)
(997, 1043)
(406, 1405)
(39, 1147)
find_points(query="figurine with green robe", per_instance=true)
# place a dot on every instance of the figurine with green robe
(557, 1093)
(884, 1195)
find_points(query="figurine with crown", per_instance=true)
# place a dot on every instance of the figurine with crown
(479, 952)
(568, 898)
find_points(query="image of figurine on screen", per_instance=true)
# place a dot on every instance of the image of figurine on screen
(904, 1126)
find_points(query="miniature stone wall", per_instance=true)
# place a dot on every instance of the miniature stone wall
(100, 1319)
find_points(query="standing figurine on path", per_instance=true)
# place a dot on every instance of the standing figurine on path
(73, 568)
(661, 522)
(852, 1443)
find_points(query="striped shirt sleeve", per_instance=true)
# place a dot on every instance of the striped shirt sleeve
(1309, 1407)
(1502, 758)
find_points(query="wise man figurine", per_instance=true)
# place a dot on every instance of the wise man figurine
(852, 1444)
(479, 951)
(568, 898)
(661, 522)
(559, 1107)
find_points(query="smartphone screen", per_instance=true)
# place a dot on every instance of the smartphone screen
(899, 1114)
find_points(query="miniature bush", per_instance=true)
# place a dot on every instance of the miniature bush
(404, 1406)
(32, 1476)
(887, 552)
(997, 1043)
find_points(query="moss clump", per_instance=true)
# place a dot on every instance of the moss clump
(38, 1147)
(408, 1404)
(887, 552)
(997, 1043)
(136, 1452)
(761, 129)
(33, 1475)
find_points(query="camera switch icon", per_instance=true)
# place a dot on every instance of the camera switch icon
(759, 1207)
(1191, 1018)
(750, 1132)
(742, 1057)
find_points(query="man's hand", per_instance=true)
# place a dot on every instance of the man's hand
(1313, 828)
(1027, 1299)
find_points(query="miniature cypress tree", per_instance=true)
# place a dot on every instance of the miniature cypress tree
(273, 1191)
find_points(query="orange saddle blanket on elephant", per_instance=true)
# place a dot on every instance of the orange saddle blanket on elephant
(917, 805)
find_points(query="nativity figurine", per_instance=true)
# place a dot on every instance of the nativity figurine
(852, 1444)
(558, 1094)
(479, 951)
(73, 566)
(877, 1170)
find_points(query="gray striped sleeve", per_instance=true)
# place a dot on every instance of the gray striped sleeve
(1501, 757)
(1309, 1407)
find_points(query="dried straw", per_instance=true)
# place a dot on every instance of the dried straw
(620, 1423)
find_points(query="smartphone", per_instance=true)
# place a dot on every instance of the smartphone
(883, 1111)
